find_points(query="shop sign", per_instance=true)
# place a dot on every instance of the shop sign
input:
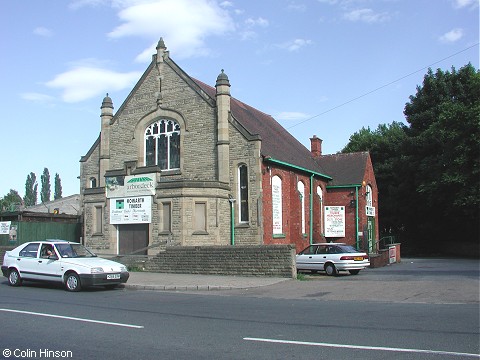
(135, 185)
(5, 227)
(131, 210)
(370, 211)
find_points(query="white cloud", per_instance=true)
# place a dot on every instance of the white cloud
(295, 45)
(194, 20)
(42, 31)
(292, 116)
(83, 82)
(256, 22)
(452, 36)
(366, 15)
(460, 4)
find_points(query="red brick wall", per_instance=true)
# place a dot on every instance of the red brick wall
(291, 208)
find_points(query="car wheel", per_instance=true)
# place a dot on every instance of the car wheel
(72, 282)
(331, 270)
(14, 278)
(354, 272)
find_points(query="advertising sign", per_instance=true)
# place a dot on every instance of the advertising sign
(334, 221)
(131, 210)
(5, 227)
(277, 205)
(135, 185)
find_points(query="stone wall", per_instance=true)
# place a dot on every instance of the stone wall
(248, 260)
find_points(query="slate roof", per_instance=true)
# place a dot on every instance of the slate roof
(277, 142)
(69, 205)
(345, 169)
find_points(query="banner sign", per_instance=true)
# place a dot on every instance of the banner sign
(136, 185)
(334, 221)
(131, 210)
(5, 227)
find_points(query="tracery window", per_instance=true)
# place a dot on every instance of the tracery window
(162, 144)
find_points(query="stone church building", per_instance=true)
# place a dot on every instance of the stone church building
(184, 163)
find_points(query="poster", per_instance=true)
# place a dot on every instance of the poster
(5, 227)
(334, 221)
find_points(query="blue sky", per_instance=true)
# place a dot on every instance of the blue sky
(320, 67)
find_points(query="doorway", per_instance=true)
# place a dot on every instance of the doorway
(131, 238)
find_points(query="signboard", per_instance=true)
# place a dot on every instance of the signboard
(392, 254)
(334, 221)
(370, 210)
(136, 185)
(5, 227)
(131, 210)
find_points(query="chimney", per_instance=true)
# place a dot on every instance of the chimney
(223, 112)
(316, 146)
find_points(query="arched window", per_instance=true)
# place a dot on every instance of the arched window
(243, 192)
(162, 145)
(93, 182)
(320, 196)
(368, 195)
(301, 190)
(277, 212)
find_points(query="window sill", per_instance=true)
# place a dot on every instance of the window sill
(279, 236)
(200, 232)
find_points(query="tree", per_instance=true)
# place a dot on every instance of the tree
(11, 201)
(58, 187)
(444, 150)
(45, 191)
(31, 188)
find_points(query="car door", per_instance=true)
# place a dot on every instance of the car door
(49, 268)
(306, 259)
(26, 261)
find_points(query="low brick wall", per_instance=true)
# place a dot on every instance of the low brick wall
(242, 260)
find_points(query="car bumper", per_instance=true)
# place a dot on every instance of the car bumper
(352, 266)
(101, 279)
(5, 271)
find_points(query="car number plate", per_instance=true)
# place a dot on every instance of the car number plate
(113, 276)
(358, 258)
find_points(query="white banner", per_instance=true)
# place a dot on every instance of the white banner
(334, 221)
(5, 227)
(131, 210)
(370, 210)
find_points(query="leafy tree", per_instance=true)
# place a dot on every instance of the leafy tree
(58, 187)
(444, 150)
(45, 192)
(11, 201)
(31, 187)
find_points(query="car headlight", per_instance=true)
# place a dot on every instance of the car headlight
(123, 268)
(96, 270)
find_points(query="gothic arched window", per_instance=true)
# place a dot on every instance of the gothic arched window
(162, 144)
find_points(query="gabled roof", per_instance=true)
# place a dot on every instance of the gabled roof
(346, 169)
(277, 142)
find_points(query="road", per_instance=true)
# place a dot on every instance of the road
(40, 321)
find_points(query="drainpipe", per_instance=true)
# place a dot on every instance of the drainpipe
(356, 217)
(232, 220)
(311, 209)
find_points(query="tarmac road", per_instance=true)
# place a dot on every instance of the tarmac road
(414, 280)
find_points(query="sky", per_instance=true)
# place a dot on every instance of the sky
(319, 67)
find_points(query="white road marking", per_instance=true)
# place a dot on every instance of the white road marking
(376, 348)
(73, 318)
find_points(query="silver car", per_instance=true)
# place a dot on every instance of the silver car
(61, 261)
(332, 258)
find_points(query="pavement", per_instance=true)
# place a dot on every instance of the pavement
(438, 281)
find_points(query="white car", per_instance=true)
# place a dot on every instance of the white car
(332, 258)
(61, 261)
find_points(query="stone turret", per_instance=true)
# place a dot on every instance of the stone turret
(223, 112)
(106, 118)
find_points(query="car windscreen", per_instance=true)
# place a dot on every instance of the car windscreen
(73, 251)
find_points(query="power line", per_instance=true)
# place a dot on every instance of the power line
(383, 86)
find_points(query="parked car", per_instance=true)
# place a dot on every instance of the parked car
(332, 258)
(61, 261)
